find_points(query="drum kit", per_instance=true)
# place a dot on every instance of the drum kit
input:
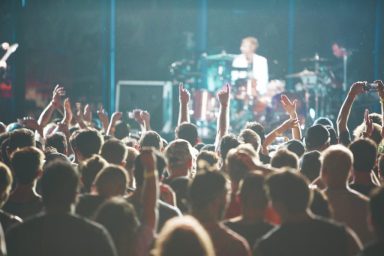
(205, 77)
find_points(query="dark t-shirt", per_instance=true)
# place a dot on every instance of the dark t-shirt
(251, 232)
(166, 211)
(88, 204)
(24, 210)
(316, 237)
(59, 235)
(374, 249)
(7, 220)
(363, 189)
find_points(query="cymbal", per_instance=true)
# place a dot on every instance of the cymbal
(221, 56)
(315, 58)
(304, 73)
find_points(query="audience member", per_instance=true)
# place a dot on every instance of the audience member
(151, 139)
(187, 131)
(364, 159)
(114, 152)
(119, 217)
(285, 158)
(301, 233)
(58, 231)
(179, 159)
(240, 161)
(294, 146)
(6, 219)
(208, 195)
(166, 211)
(27, 164)
(310, 165)
(348, 206)
(89, 170)
(183, 236)
(85, 143)
(376, 208)
(207, 160)
(317, 138)
(253, 200)
(58, 141)
(109, 182)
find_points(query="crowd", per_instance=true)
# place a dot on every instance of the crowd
(74, 182)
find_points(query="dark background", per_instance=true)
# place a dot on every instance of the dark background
(68, 41)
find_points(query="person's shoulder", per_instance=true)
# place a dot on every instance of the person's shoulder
(359, 197)
(233, 237)
(9, 218)
(325, 224)
(83, 222)
(28, 224)
(373, 249)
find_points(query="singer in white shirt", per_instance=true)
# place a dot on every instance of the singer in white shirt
(251, 66)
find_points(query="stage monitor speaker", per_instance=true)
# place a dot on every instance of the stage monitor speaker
(153, 96)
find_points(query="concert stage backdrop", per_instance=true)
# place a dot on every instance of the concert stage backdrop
(87, 45)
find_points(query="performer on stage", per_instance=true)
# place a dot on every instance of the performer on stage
(251, 67)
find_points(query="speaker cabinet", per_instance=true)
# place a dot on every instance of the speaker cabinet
(153, 96)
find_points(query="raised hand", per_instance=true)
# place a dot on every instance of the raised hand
(68, 115)
(102, 114)
(288, 105)
(184, 95)
(357, 88)
(87, 113)
(145, 116)
(58, 92)
(380, 88)
(116, 116)
(223, 95)
(288, 124)
(61, 127)
(136, 114)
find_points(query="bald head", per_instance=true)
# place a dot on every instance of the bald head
(337, 163)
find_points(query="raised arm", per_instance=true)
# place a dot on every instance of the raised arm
(184, 97)
(150, 192)
(87, 114)
(146, 117)
(381, 95)
(223, 120)
(46, 116)
(290, 107)
(103, 116)
(80, 116)
(286, 125)
(345, 110)
(116, 116)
